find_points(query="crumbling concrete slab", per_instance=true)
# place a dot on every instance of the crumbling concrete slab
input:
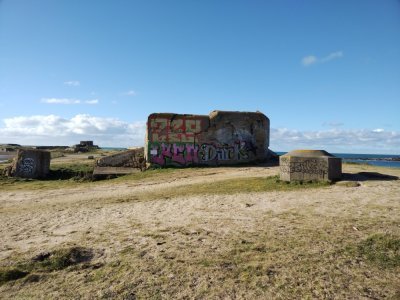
(310, 165)
(222, 138)
(31, 163)
(125, 162)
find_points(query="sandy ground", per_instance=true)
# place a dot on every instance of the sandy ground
(36, 220)
(109, 216)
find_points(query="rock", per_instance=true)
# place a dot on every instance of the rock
(31, 163)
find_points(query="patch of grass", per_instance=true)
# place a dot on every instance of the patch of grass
(56, 154)
(11, 274)
(382, 250)
(58, 259)
(229, 186)
(68, 171)
(60, 176)
(46, 262)
(158, 173)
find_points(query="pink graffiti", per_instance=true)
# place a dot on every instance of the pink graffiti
(170, 154)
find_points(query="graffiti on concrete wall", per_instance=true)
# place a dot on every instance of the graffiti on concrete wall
(27, 166)
(237, 151)
(221, 138)
(308, 166)
(169, 154)
(186, 154)
(182, 130)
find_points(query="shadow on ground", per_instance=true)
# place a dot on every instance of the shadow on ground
(367, 176)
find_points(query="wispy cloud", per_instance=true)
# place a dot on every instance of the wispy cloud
(94, 101)
(68, 101)
(333, 124)
(130, 93)
(60, 101)
(311, 59)
(72, 83)
(55, 130)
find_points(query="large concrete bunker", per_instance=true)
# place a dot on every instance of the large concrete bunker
(222, 138)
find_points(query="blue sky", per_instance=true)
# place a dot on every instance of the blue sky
(326, 73)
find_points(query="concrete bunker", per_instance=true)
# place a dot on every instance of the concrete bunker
(221, 138)
(30, 164)
(310, 165)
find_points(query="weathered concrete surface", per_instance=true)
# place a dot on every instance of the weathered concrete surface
(306, 165)
(222, 138)
(125, 162)
(31, 164)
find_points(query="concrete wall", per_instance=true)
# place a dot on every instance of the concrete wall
(31, 164)
(222, 138)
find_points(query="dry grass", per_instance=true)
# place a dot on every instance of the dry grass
(206, 233)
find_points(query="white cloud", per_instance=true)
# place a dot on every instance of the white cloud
(72, 83)
(94, 101)
(68, 101)
(332, 56)
(55, 130)
(311, 59)
(60, 101)
(130, 93)
(335, 140)
(332, 124)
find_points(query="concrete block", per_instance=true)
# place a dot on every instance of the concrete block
(31, 164)
(310, 165)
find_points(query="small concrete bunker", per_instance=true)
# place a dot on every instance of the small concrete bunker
(31, 164)
(221, 138)
(310, 165)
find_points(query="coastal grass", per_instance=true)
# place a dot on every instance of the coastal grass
(313, 249)
(382, 250)
(224, 187)
(46, 262)
(60, 176)
(323, 258)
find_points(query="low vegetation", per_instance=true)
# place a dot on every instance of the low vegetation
(382, 250)
(46, 262)
(185, 234)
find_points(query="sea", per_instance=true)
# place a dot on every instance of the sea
(4, 158)
(381, 160)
